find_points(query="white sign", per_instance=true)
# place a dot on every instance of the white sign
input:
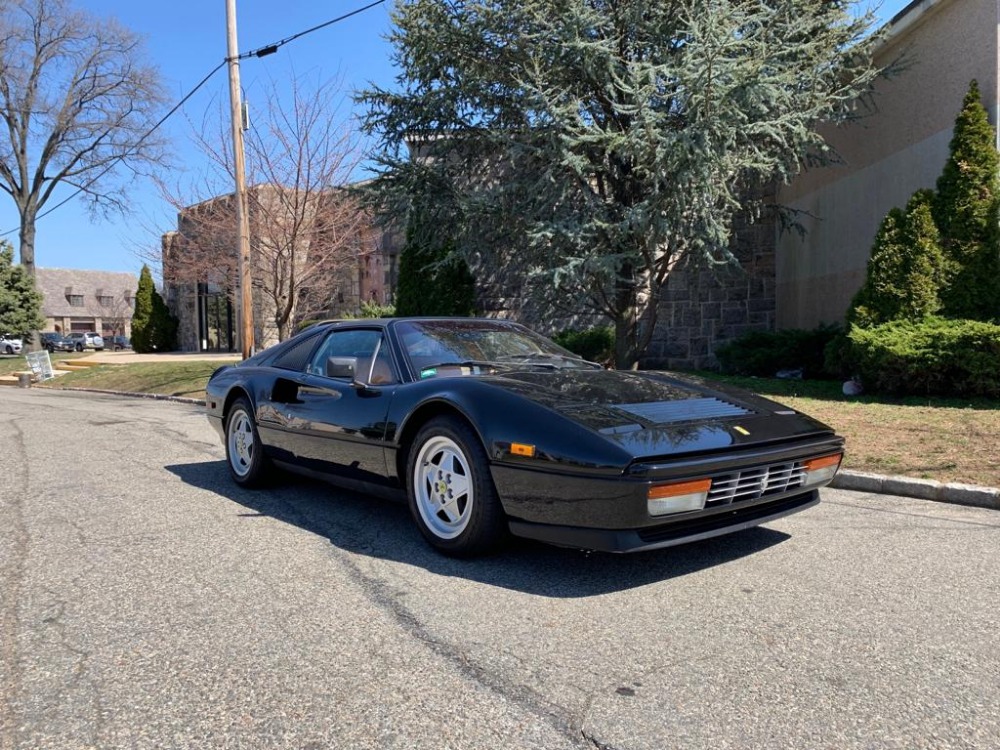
(40, 364)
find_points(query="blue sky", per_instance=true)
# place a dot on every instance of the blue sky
(186, 39)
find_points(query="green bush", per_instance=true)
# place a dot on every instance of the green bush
(930, 357)
(593, 344)
(906, 268)
(765, 353)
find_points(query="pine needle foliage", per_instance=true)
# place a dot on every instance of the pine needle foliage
(967, 213)
(20, 300)
(154, 329)
(596, 143)
(906, 270)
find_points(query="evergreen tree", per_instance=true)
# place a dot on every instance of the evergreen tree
(433, 279)
(906, 269)
(967, 214)
(599, 144)
(142, 329)
(20, 301)
(154, 329)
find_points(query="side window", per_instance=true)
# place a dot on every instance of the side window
(362, 345)
(296, 356)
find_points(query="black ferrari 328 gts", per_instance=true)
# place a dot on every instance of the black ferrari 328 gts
(488, 428)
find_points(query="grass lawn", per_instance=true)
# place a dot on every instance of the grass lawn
(185, 379)
(942, 439)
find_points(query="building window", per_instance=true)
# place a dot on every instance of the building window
(106, 301)
(76, 300)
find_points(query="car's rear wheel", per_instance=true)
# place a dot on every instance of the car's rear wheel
(79, 347)
(9, 349)
(451, 493)
(244, 452)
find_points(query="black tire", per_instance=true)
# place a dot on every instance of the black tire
(99, 349)
(450, 491)
(9, 349)
(79, 347)
(247, 463)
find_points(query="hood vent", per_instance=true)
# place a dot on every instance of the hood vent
(688, 410)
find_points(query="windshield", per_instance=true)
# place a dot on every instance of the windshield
(430, 344)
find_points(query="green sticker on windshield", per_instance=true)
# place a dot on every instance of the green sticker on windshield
(430, 372)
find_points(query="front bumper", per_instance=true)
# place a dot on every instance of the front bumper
(681, 530)
(611, 512)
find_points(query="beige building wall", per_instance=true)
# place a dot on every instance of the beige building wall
(899, 149)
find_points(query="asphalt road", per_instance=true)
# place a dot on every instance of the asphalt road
(149, 603)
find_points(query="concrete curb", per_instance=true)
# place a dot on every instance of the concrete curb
(922, 489)
(153, 396)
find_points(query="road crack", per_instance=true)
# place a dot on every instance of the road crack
(15, 538)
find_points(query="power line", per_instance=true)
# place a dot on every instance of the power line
(260, 52)
(122, 157)
(270, 49)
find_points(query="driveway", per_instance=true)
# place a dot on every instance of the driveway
(149, 603)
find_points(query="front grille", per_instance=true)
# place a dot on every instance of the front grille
(751, 484)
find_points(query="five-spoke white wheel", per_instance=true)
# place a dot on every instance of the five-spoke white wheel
(451, 493)
(444, 496)
(243, 449)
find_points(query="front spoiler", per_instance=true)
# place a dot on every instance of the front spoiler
(681, 531)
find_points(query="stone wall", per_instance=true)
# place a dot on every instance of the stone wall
(703, 308)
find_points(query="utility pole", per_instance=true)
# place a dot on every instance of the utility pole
(239, 167)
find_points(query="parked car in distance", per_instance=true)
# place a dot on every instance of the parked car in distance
(489, 429)
(10, 344)
(116, 343)
(88, 340)
(53, 341)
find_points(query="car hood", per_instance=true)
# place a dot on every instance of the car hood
(653, 413)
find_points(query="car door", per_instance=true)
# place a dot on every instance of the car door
(334, 413)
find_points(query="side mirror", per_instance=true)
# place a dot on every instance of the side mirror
(341, 367)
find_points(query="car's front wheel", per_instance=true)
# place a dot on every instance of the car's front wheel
(9, 349)
(244, 452)
(450, 491)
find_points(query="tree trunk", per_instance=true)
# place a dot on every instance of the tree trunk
(626, 354)
(27, 252)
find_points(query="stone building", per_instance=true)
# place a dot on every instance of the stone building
(200, 265)
(81, 301)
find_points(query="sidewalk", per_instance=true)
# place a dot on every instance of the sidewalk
(127, 356)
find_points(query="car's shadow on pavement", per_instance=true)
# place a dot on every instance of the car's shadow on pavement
(383, 529)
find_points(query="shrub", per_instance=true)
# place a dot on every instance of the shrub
(594, 344)
(765, 353)
(371, 309)
(906, 268)
(930, 357)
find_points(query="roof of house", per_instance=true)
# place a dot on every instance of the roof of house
(57, 284)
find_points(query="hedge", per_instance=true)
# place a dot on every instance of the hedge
(593, 344)
(765, 353)
(930, 357)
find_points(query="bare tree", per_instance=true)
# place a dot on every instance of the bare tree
(77, 101)
(306, 231)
